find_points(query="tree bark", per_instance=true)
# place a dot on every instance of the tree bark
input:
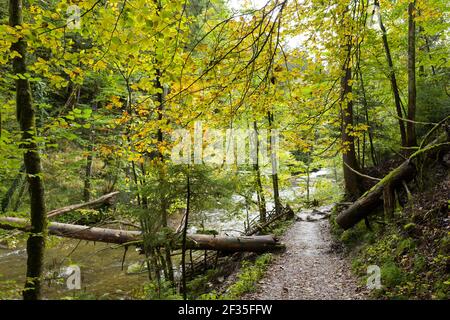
(32, 161)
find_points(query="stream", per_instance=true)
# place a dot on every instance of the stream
(102, 273)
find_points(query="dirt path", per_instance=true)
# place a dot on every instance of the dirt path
(309, 268)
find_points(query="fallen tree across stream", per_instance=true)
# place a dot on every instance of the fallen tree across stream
(194, 241)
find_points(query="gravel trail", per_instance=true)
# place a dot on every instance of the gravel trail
(310, 268)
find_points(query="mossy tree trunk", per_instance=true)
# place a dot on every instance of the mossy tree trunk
(32, 161)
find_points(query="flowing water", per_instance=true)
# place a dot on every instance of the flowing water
(104, 272)
(233, 225)
(100, 264)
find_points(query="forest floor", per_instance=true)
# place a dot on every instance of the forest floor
(312, 267)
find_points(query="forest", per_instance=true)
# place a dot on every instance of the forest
(214, 149)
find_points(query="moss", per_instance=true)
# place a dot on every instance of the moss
(248, 277)
(409, 269)
(352, 237)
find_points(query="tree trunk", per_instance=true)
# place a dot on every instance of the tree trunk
(193, 241)
(88, 172)
(273, 158)
(392, 78)
(161, 175)
(372, 198)
(233, 244)
(308, 184)
(351, 179)
(184, 239)
(389, 200)
(259, 188)
(32, 161)
(410, 126)
(366, 114)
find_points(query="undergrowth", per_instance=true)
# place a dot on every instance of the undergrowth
(246, 280)
(412, 250)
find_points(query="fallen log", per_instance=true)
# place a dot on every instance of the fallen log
(362, 207)
(233, 244)
(372, 198)
(107, 198)
(194, 241)
(75, 231)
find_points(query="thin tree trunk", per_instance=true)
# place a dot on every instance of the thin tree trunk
(392, 78)
(427, 46)
(273, 158)
(389, 200)
(363, 160)
(259, 188)
(143, 182)
(410, 125)
(366, 114)
(163, 206)
(163, 263)
(135, 179)
(183, 254)
(32, 161)
(351, 179)
(88, 172)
